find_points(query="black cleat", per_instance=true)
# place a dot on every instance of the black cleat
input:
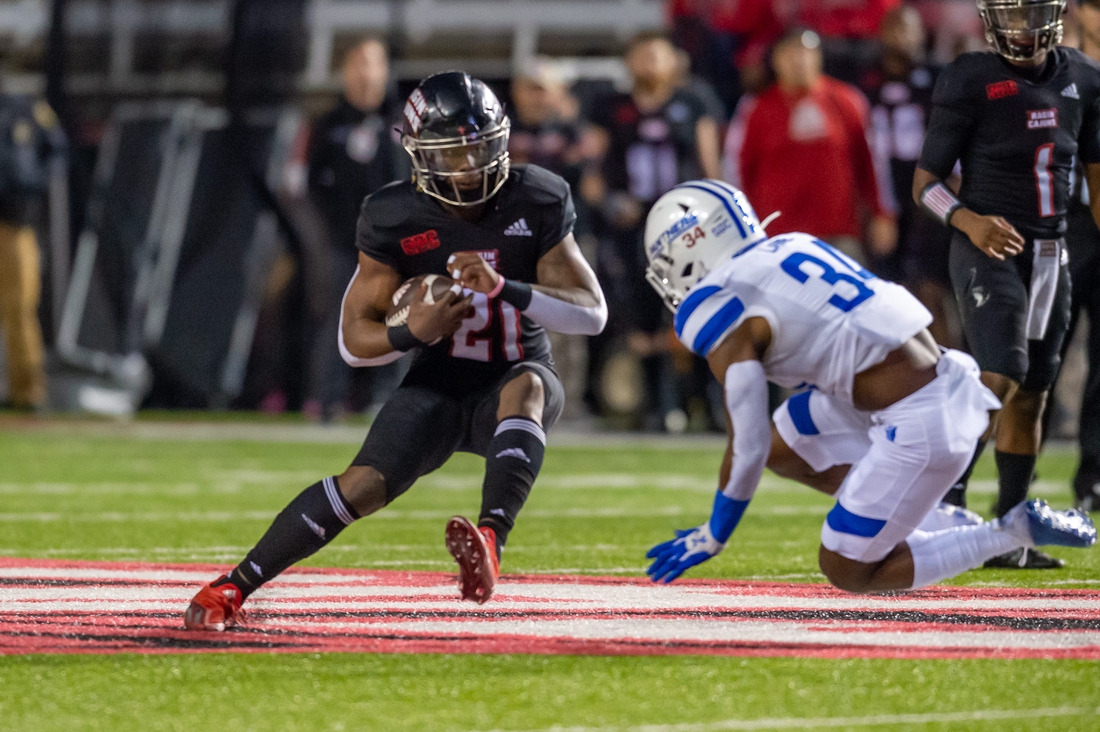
(1025, 558)
(1090, 501)
(956, 496)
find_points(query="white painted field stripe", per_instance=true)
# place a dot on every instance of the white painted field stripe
(875, 720)
(473, 624)
(745, 631)
(67, 489)
(233, 482)
(558, 610)
(615, 597)
(411, 515)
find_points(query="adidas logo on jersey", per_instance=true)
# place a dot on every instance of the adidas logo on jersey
(519, 229)
(1071, 91)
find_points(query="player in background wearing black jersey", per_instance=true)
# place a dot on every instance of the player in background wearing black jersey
(483, 379)
(1017, 118)
(899, 88)
(647, 141)
(1083, 242)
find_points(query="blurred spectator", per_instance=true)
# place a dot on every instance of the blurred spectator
(545, 132)
(699, 28)
(714, 107)
(852, 19)
(849, 31)
(544, 126)
(801, 148)
(29, 137)
(957, 29)
(353, 152)
(899, 88)
(648, 140)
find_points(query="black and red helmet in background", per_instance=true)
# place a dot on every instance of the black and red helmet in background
(456, 132)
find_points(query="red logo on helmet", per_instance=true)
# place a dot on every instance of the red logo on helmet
(420, 243)
(414, 109)
(1001, 89)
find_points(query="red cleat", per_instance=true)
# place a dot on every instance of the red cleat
(214, 608)
(475, 550)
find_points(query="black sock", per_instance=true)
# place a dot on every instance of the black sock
(511, 465)
(1015, 478)
(312, 520)
(956, 495)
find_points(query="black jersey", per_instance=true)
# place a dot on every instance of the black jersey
(548, 144)
(900, 108)
(651, 152)
(414, 234)
(1017, 133)
(351, 154)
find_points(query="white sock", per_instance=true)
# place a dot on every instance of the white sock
(939, 555)
(946, 516)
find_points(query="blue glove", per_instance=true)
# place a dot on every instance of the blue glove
(694, 546)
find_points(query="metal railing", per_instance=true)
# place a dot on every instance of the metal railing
(120, 24)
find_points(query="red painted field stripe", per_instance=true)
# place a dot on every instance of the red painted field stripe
(430, 620)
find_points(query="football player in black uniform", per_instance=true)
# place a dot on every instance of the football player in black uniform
(1083, 242)
(899, 89)
(482, 380)
(1017, 118)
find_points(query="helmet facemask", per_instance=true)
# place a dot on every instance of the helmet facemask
(1021, 30)
(660, 276)
(464, 170)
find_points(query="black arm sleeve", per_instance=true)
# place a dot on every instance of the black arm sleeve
(950, 123)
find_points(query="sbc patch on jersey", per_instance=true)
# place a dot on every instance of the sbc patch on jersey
(1001, 89)
(420, 243)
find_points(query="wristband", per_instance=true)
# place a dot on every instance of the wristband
(496, 288)
(725, 516)
(516, 294)
(938, 200)
(402, 339)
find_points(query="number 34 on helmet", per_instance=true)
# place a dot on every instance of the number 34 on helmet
(691, 230)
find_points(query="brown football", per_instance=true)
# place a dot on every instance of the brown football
(403, 297)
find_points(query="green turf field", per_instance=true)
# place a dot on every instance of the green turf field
(68, 493)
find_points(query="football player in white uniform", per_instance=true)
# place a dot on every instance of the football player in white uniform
(794, 311)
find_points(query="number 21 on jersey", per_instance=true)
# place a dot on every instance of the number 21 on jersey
(494, 325)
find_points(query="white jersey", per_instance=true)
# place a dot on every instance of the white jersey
(830, 318)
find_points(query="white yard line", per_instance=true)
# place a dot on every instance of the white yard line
(391, 515)
(875, 720)
(235, 481)
(190, 431)
(303, 586)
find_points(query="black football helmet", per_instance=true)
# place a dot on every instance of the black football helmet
(456, 132)
(1022, 30)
